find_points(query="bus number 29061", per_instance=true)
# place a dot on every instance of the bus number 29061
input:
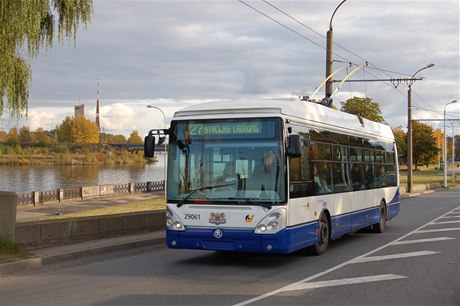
(192, 216)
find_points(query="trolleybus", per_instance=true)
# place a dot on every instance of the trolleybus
(274, 176)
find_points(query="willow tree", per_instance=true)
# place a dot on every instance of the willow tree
(25, 28)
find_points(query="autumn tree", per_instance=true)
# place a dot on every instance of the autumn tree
(13, 136)
(42, 137)
(363, 108)
(134, 138)
(78, 130)
(25, 28)
(110, 138)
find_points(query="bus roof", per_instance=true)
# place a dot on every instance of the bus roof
(312, 114)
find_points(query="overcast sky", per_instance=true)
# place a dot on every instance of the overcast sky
(174, 53)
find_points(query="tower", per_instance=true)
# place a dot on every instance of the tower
(79, 110)
(97, 107)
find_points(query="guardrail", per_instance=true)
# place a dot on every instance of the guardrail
(59, 195)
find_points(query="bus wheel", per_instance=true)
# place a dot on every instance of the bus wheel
(380, 226)
(323, 236)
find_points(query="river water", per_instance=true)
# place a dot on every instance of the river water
(23, 179)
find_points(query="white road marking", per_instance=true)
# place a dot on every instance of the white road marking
(438, 230)
(343, 264)
(345, 281)
(445, 222)
(421, 240)
(393, 256)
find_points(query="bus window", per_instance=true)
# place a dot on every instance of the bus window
(339, 177)
(369, 176)
(322, 178)
(357, 176)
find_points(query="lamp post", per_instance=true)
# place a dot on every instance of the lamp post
(166, 147)
(445, 144)
(329, 55)
(409, 128)
(453, 154)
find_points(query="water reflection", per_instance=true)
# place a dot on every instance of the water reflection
(22, 179)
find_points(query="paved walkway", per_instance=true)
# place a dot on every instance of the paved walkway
(30, 212)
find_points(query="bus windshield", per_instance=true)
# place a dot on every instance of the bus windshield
(226, 161)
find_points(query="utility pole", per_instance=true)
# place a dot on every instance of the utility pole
(409, 129)
(329, 54)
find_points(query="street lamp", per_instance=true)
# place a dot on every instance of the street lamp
(329, 59)
(409, 128)
(166, 147)
(445, 145)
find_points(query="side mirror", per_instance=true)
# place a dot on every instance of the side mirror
(295, 146)
(149, 145)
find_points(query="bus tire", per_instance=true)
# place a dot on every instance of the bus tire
(323, 236)
(380, 226)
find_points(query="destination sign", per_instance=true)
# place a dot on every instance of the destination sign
(232, 128)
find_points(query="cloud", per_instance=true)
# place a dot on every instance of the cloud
(175, 52)
(117, 118)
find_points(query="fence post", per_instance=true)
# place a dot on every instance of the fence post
(131, 187)
(8, 206)
(36, 197)
(60, 195)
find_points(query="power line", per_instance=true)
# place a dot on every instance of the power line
(285, 26)
(337, 44)
(386, 72)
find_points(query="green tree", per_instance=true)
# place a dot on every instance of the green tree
(24, 134)
(401, 142)
(423, 143)
(78, 130)
(134, 138)
(25, 28)
(64, 130)
(363, 108)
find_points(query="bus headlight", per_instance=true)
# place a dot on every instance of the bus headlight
(172, 221)
(273, 223)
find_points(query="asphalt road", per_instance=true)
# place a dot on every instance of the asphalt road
(415, 262)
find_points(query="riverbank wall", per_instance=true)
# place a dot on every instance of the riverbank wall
(87, 192)
(42, 233)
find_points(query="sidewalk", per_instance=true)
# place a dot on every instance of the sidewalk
(43, 255)
(30, 212)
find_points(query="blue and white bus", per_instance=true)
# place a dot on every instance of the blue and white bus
(275, 176)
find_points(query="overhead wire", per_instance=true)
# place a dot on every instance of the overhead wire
(371, 67)
(315, 43)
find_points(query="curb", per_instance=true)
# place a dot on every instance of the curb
(41, 260)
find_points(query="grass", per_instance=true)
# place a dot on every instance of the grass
(10, 251)
(428, 175)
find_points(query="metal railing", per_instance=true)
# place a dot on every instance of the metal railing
(59, 195)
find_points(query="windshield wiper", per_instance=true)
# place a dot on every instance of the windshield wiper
(263, 204)
(182, 202)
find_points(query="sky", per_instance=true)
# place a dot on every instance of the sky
(171, 54)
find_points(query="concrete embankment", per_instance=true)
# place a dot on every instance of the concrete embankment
(34, 233)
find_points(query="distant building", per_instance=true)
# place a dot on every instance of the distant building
(80, 110)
